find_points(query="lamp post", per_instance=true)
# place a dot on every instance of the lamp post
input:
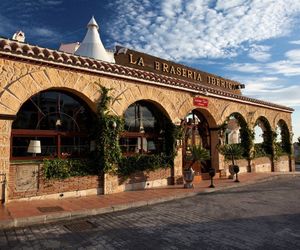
(212, 173)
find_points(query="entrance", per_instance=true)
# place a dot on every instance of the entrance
(197, 133)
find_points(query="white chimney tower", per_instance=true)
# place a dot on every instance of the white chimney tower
(92, 46)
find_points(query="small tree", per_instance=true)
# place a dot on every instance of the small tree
(231, 152)
(199, 154)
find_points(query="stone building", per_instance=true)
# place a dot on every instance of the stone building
(48, 98)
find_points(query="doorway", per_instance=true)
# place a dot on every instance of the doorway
(197, 133)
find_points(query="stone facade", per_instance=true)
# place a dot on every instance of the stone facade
(26, 182)
(136, 181)
(19, 80)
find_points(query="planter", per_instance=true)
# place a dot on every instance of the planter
(231, 171)
(188, 176)
(236, 170)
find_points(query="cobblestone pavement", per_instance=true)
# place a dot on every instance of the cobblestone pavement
(259, 216)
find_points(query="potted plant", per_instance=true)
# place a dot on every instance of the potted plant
(198, 154)
(232, 152)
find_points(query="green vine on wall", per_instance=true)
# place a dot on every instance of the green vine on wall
(107, 131)
(285, 144)
(64, 168)
(247, 138)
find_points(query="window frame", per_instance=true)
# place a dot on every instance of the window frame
(42, 133)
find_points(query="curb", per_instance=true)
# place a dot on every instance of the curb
(69, 215)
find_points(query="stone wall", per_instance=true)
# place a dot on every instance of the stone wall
(282, 164)
(26, 183)
(140, 180)
(261, 164)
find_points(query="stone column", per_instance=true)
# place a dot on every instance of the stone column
(112, 185)
(178, 167)
(5, 134)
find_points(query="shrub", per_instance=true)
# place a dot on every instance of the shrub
(135, 163)
(65, 168)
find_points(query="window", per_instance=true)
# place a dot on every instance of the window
(57, 120)
(144, 129)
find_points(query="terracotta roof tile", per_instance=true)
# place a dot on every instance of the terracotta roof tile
(48, 55)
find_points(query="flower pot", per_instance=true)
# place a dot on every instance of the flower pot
(231, 171)
(188, 176)
(236, 169)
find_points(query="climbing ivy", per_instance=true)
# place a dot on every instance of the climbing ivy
(247, 138)
(285, 144)
(107, 131)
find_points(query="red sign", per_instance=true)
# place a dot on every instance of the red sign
(200, 102)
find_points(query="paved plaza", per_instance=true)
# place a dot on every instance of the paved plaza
(265, 215)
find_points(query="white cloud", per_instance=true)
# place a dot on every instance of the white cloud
(272, 90)
(293, 55)
(245, 67)
(284, 67)
(182, 30)
(259, 53)
(295, 42)
(289, 67)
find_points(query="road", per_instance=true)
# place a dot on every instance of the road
(260, 216)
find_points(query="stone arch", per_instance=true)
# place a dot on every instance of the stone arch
(207, 114)
(284, 117)
(265, 122)
(231, 109)
(131, 94)
(212, 112)
(200, 129)
(266, 147)
(285, 143)
(260, 113)
(155, 103)
(32, 83)
(244, 132)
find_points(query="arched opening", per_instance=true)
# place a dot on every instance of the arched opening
(237, 132)
(232, 132)
(197, 133)
(283, 139)
(52, 123)
(146, 129)
(263, 138)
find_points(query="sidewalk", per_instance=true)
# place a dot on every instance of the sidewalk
(25, 213)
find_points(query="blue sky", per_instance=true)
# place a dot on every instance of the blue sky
(254, 42)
